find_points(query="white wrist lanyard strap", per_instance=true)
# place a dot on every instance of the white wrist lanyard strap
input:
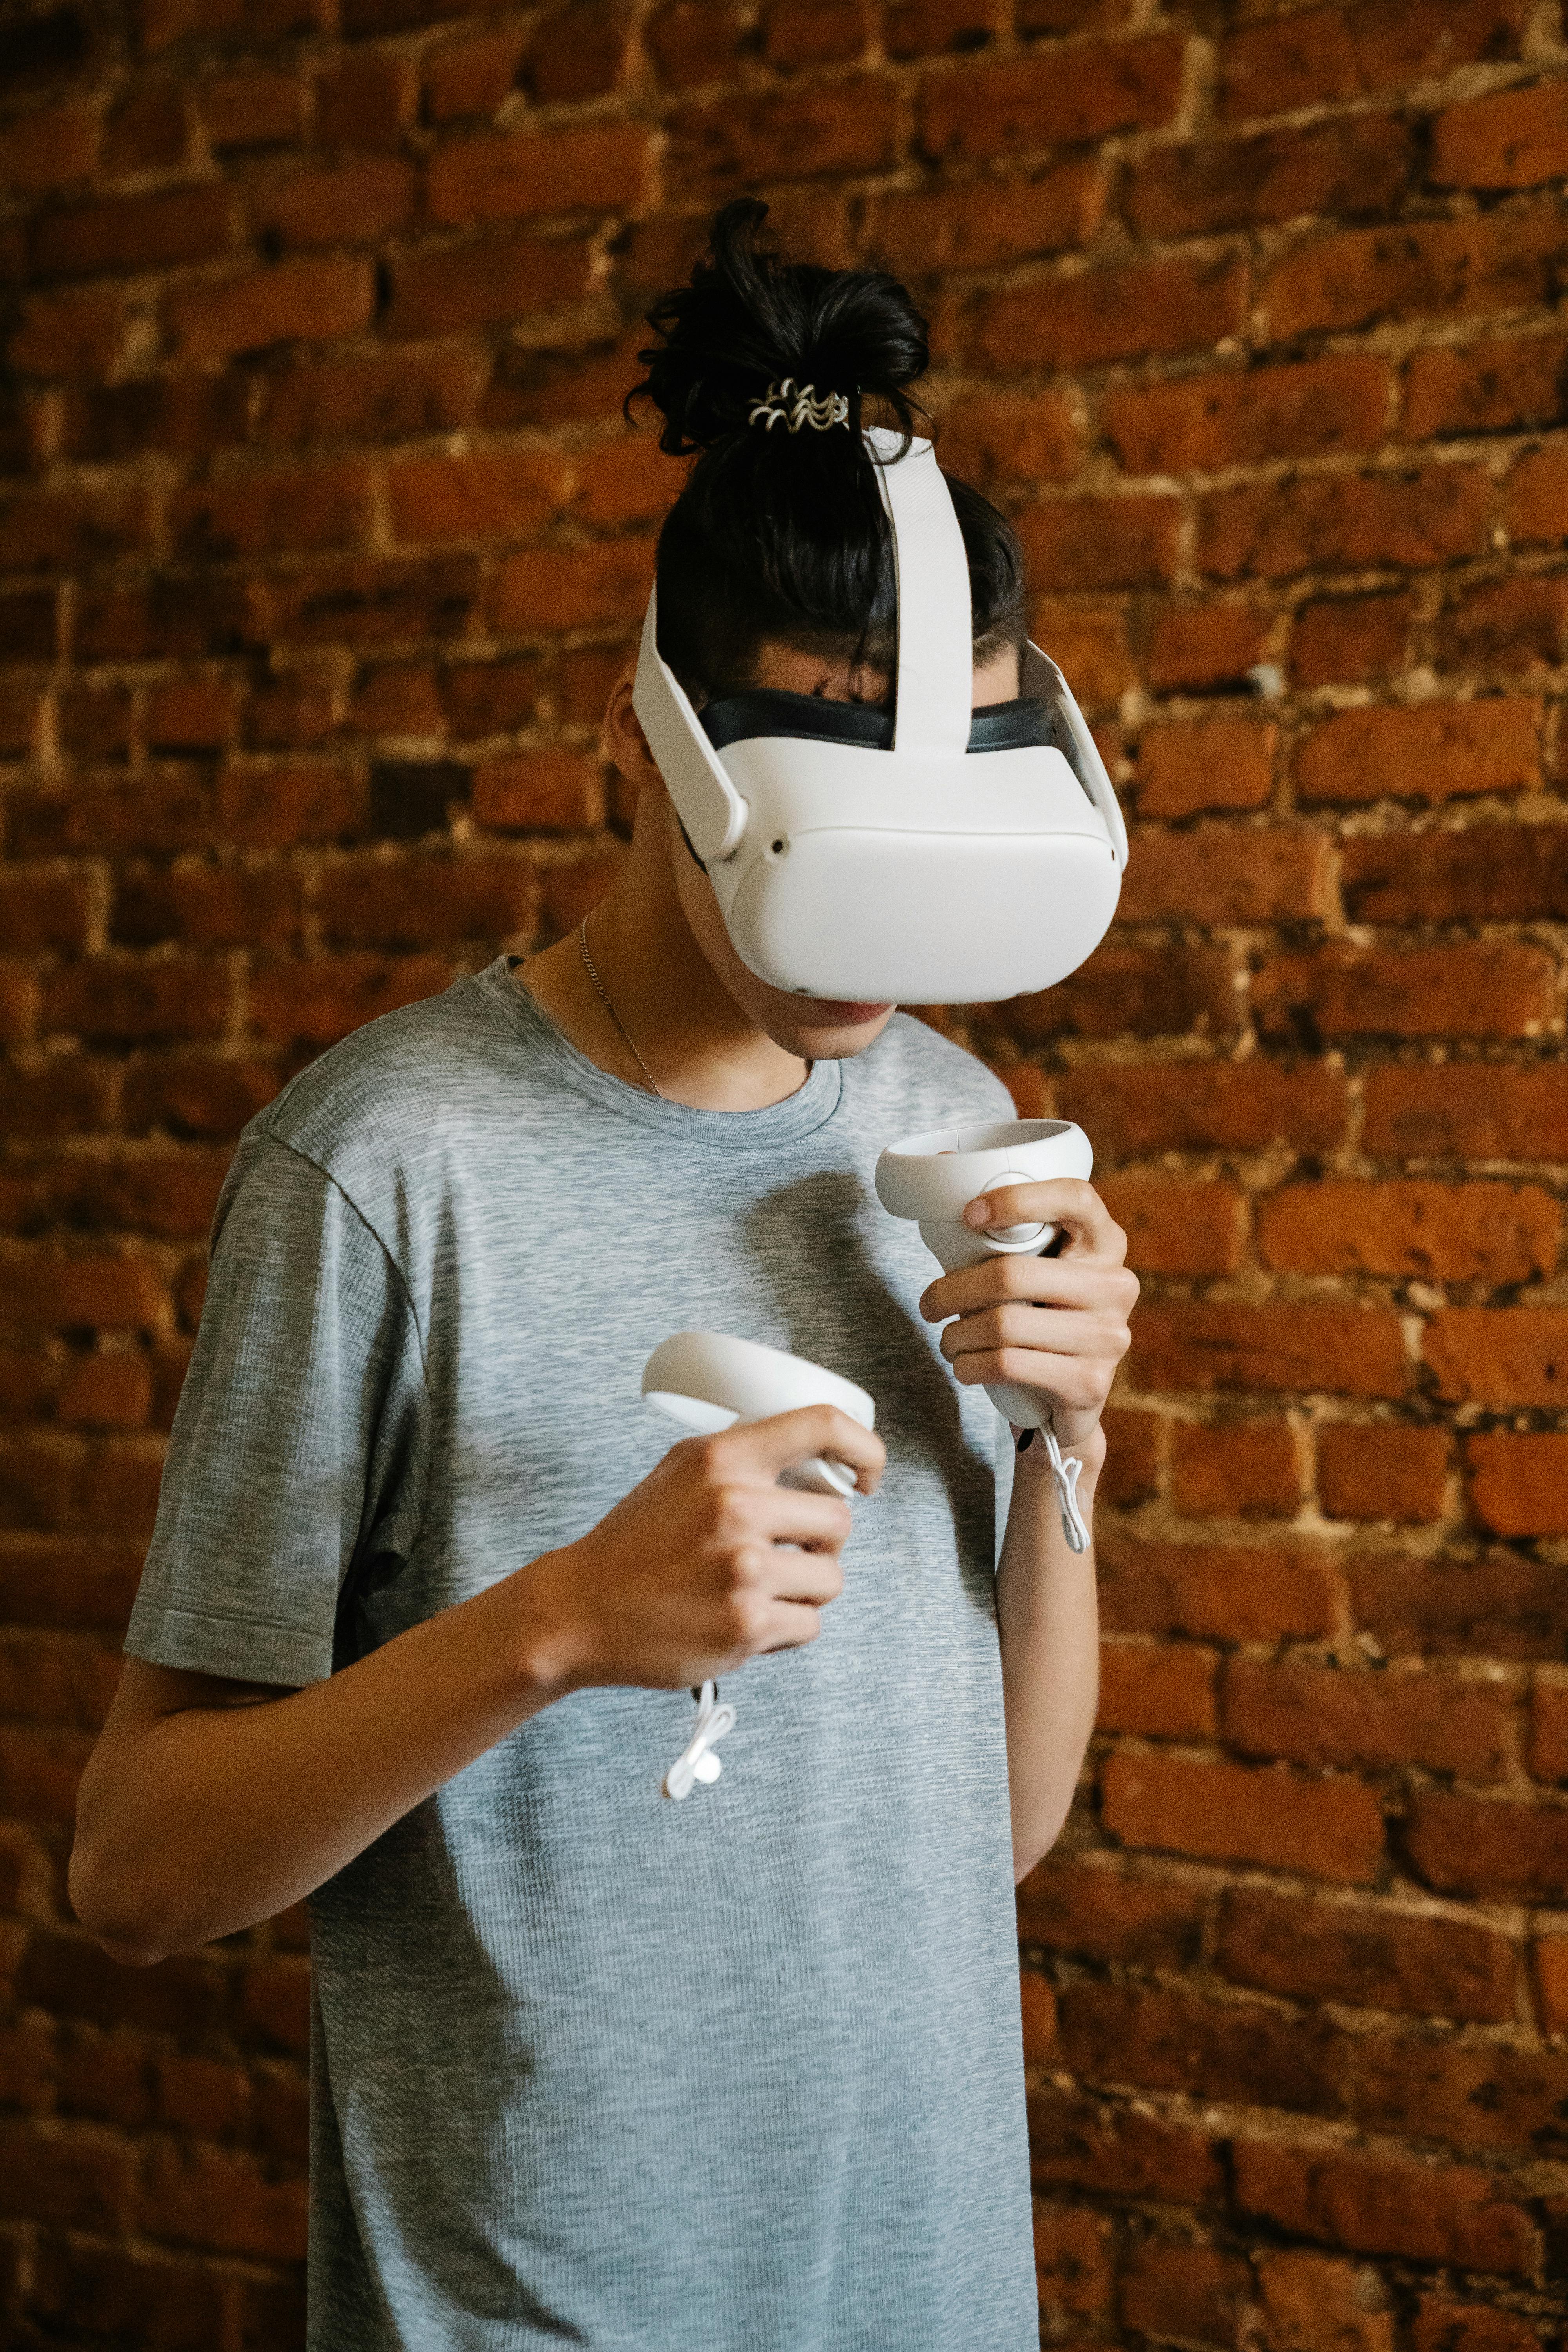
(697, 1760)
(1066, 1473)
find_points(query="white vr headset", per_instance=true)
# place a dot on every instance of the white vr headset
(866, 858)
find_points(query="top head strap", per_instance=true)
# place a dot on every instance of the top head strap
(936, 656)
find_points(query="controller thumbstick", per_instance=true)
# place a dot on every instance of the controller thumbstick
(1012, 1234)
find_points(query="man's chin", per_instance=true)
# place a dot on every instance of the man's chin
(827, 1031)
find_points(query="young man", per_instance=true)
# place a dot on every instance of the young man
(428, 1593)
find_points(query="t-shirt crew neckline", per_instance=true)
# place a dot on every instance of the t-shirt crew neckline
(800, 1114)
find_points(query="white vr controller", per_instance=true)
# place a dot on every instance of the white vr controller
(933, 1176)
(708, 1382)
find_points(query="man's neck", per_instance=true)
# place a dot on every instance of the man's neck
(701, 1048)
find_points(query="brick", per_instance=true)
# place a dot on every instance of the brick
(581, 53)
(985, 224)
(1325, 522)
(70, 1097)
(69, 1585)
(798, 33)
(49, 530)
(1468, 1846)
(1072, 94)
(1497, 1607)
(425, 905)
(74, 2179)
(1313, 2304)
(1176, 1228)
(1468, 1110)
(1456, 1233)
(43, 910)
(598, 166)
(1074, 321)
(296, 711)
(1512, 139)
(1157, 1692)
(165, 814)
(258, 513)
(1220, 1592)
(197, 1100)
(472, 77)
(692, 41)
(1204, 424)
(1338, 1350)
(1519, 1486)
(1383, 1473)
(1506, 384)
(132, 233)
(1443, 2326)
(1436, 751)
(1131, 1471)
(48, 148)
(1276, 1821)
(1537, 505)
(1088, 639)
(1504, 1355)
(1485, 874)
(1223, 876)
(179, 415)
(1209, 1106)
(1150, 991)
(149, 131)
(1367, 1722)
(1486, 2097)
(381, 399)
(1198, 646)
(1218, 763)
(1506, 625)
(494, 493)
(1010, 438)
(1372, 2205)
(188, 714)
(1357, 163)
(1549, 1730)
(105, 1293)
(1366, 1957)
(1072, 2260)
(411, 797)
(440, 291)
(1465, 991)
(318, 1002)
(93, 722)
(105, 2292)
(1551, 1982)
(369, 601)
(349, 203)
(1235, 2051)
(1038, 2004)
(1315, 54)
(1076, 2142)
(106, 1392)
(1226, 1470)
(1349, 638)
(251, 110)
(76, 332)
(535, 792)
(307, 301)
(1195, 2292)
(276, 1996)
(398, 699)
(365, 101)
(206, 2197)
(216, 907)
(1417, 269)
(918, 29)
(822, 130)
(1129, 542)
(122, 1001)
(573, 587)
(1107, 1916)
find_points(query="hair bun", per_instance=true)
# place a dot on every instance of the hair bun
(748, 318)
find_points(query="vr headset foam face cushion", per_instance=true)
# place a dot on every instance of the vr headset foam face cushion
(775, 710)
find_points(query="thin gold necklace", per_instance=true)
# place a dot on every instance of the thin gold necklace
(605, 1001)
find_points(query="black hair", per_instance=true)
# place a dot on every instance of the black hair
(781, 535)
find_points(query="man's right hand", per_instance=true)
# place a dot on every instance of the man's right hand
(706, 1563)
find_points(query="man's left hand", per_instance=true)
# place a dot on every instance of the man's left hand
(1056, 1324)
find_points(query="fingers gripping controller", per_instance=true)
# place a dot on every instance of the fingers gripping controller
(709, 1382)
(932, 1177)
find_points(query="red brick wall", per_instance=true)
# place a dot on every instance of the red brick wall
(322, 540)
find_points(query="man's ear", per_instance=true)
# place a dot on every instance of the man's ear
(621, 739)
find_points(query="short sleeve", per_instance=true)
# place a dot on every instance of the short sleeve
(299, 1453)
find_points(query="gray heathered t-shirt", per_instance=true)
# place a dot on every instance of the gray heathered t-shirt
(737, 2074)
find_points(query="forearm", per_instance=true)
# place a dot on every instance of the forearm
(1048, 1622)
(218, 1816)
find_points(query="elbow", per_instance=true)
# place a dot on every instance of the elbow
(118, 1924)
